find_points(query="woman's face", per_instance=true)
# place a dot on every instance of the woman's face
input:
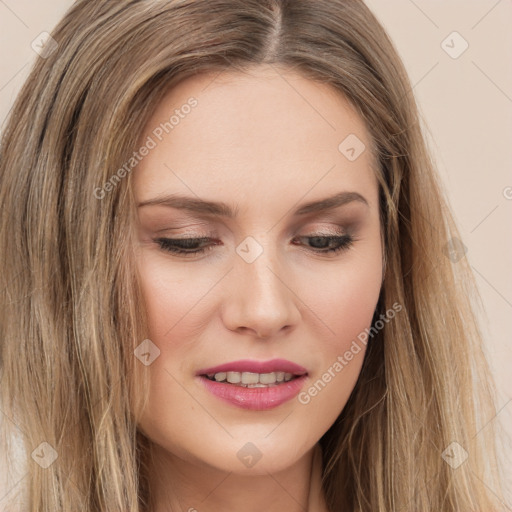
(263, 168)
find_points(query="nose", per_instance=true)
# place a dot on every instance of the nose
(260, 301)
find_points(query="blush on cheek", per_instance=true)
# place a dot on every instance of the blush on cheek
(346, 308)
(357, 315)
(170, 296)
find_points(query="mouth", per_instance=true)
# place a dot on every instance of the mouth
(253, 373)
(256, 385)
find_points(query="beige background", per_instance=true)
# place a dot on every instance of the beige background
(466, 104)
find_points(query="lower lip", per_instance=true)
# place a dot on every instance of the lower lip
(256, 399)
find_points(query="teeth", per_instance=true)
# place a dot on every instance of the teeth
(250, 379)
(234, 377)
(268, 378)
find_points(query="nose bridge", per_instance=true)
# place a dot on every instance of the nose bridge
(261, 274)
(260, 300)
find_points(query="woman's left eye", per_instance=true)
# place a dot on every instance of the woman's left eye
(329, 243)
(323, 244)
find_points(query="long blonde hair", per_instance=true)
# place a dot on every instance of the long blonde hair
(72, 312)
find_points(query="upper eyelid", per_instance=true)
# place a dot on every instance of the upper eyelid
(328, 225)
(335, 229)
(309, 234)
(347, 216)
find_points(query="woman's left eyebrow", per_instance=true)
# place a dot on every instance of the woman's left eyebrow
(222, 209)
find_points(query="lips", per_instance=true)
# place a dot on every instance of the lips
(256, 385)
(252, 366)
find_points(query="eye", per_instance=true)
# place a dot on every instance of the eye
(185, 246)
(328, 244)
(318, 243)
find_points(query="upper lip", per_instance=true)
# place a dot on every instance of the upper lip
(253, 366)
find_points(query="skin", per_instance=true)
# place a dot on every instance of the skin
(265, 142)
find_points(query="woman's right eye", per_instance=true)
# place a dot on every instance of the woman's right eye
(184, 246)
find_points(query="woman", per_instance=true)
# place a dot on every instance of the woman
(228, 277)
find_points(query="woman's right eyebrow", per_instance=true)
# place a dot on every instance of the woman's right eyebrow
(221, 209)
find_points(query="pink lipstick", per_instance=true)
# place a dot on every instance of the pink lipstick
(255, 385)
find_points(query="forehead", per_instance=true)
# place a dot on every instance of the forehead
(261, 131)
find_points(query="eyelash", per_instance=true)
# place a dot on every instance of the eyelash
(172, 244)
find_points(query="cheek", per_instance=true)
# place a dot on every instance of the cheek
(171, 296)
(345, 296)
(353, 309)
(344, 301)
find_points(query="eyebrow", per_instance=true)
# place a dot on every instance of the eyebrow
(224, 210)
